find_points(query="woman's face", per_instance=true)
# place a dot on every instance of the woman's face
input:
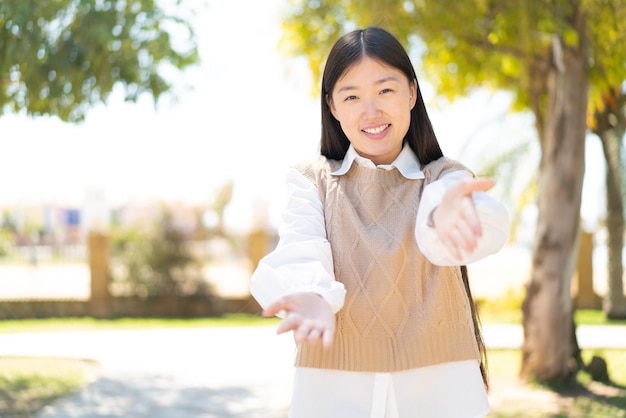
(373, 103)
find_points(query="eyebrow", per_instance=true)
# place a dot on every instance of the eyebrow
(381, 81)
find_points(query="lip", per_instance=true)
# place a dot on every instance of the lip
(376, 131)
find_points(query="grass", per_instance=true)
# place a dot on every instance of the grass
(514, 316)
(88, 323)
(498, 315)
(507, 309)
(487, 313)
(28, 384)
(585, 398)
(592, 317)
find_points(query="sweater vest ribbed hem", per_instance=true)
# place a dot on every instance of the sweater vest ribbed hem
(387, 355)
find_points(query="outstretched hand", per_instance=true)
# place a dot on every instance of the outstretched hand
(308, 315)
(456, 220)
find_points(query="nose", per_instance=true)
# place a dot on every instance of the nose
(371, 108)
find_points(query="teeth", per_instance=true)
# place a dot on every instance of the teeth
(376, 130)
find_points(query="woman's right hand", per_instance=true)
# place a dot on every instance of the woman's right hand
(308, 315)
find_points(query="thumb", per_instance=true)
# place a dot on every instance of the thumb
(275, 308)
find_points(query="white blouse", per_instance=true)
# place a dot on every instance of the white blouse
(302, 262)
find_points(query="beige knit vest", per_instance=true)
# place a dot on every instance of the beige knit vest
(401, 311)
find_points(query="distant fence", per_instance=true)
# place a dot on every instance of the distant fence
(101, 304)
(160, 307)
(48, 252)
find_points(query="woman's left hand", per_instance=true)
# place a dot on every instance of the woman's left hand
(456, 220)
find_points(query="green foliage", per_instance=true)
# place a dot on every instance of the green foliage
(608, 38)
(6, 240)
(310, 27)
(156, 262)
(503, 309)
(60, 57)
(507, 309)
(472, 43)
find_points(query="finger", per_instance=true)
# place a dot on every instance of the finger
(327, 338)
(302, 332)
(450, 241)
(469, 216)
(272, 310)
(480, 184)
(313, 336)
(456, 253)
(466, 237)
(281, 304)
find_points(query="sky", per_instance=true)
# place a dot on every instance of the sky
(245, 116)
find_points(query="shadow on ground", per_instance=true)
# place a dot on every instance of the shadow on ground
(159, 397)
(513, 398)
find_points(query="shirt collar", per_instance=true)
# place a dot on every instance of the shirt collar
(406, 162)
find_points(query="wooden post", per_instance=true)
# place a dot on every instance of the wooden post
(258, 246)
(100, 301)
(258, 241)
(585, 296)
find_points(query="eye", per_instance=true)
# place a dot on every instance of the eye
(349, 98)
(387, 90)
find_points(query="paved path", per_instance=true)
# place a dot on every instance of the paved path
(170, 373)
(201, 372)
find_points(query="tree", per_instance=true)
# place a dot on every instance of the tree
(157, 261)
(609, 124)
(545, 52)
(60, 57)
(608, 121)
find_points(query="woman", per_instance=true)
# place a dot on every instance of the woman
(369, 271)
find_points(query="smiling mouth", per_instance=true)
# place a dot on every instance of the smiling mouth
(376, 130)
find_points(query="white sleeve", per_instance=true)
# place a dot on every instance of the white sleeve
(493, 215)
(302, 261)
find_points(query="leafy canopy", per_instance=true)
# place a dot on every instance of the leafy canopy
(472, 43)
(60, 57)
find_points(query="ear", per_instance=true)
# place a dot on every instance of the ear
(331, 106)
(413, 96)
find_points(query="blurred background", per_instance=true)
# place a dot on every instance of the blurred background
(143, 149)
(212, 152)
